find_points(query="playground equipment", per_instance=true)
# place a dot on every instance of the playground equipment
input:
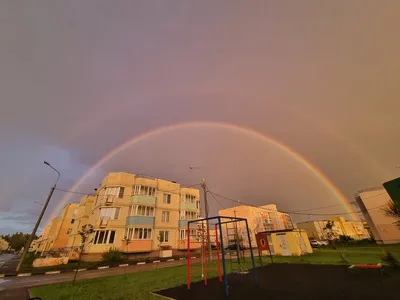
(223, 240)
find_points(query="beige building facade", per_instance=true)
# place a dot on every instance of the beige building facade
(354, 229)
(136, 215)
(259, 219)
(371, 202)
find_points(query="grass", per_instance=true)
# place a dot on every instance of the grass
(133, 286)
(140, 285)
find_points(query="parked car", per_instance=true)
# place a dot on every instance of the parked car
(234, 247)
(317, 244)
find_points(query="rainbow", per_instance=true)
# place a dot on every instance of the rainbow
(251, 132)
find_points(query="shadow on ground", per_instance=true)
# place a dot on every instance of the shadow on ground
(15, 294)
(291, 281)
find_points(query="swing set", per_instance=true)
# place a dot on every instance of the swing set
(219, 241)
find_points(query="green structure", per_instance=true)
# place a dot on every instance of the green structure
(393, 189)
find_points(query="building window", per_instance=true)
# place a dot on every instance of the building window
(190, 198)
(139, 234)
(164, 236)
(121, 192)
(117, 191)
(167, 198)
(165, 216)
(190, 215)
(72, 221)
(198, 204)
(109, 212)
(142, 210)
(144, 190)
(104, 237)
(69, 230)
(112, 236)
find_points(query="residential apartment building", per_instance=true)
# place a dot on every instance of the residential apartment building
(46, 240)
(316, 229)
(259, 219)
(371, 202)
(136, 214)
(81, 218)
(56, 234)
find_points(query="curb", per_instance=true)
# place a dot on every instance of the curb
(52, 272)
(86, 269)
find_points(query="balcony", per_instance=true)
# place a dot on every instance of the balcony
(139, 199)
(140, 220)
(184, 223)
(191, 206)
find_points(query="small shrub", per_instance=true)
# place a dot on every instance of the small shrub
(390, 259)
(112, 255)
(343, 258)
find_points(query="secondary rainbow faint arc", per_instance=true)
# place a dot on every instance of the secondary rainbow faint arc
(321, 176)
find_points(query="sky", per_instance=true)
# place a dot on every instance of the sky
(80, 78)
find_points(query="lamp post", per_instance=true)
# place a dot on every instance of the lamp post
(29, 241)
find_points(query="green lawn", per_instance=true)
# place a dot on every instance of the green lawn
(140, 285)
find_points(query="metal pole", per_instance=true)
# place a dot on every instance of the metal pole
(29, 241)
(203, 185)
(252, 256)
(223, 259)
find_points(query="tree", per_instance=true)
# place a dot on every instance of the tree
(17, 240)
(85, 232)
(393, 210)
(3, 244)
(329, 232)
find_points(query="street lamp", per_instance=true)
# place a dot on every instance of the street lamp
(29, 241)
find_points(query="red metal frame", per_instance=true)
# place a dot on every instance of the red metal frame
(204, 256)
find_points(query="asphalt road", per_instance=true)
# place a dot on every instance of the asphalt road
(6, 258)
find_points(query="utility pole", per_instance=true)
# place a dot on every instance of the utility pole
(29, 241)
(204, 186)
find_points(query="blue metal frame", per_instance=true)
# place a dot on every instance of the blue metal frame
(231, 220)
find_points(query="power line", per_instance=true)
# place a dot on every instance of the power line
(294, 213)
(215, 199)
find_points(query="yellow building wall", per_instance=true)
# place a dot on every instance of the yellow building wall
(61, 238)
(297, 241)
(128, 181)
(82, 218)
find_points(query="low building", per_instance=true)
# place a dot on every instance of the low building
(284, 242)
(316, 229)
(259, 219)
(372, 202)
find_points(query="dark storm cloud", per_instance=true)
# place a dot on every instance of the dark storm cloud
(78, 78)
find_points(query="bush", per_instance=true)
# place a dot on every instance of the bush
(112, 255)
(30, 257)
(390, 260)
